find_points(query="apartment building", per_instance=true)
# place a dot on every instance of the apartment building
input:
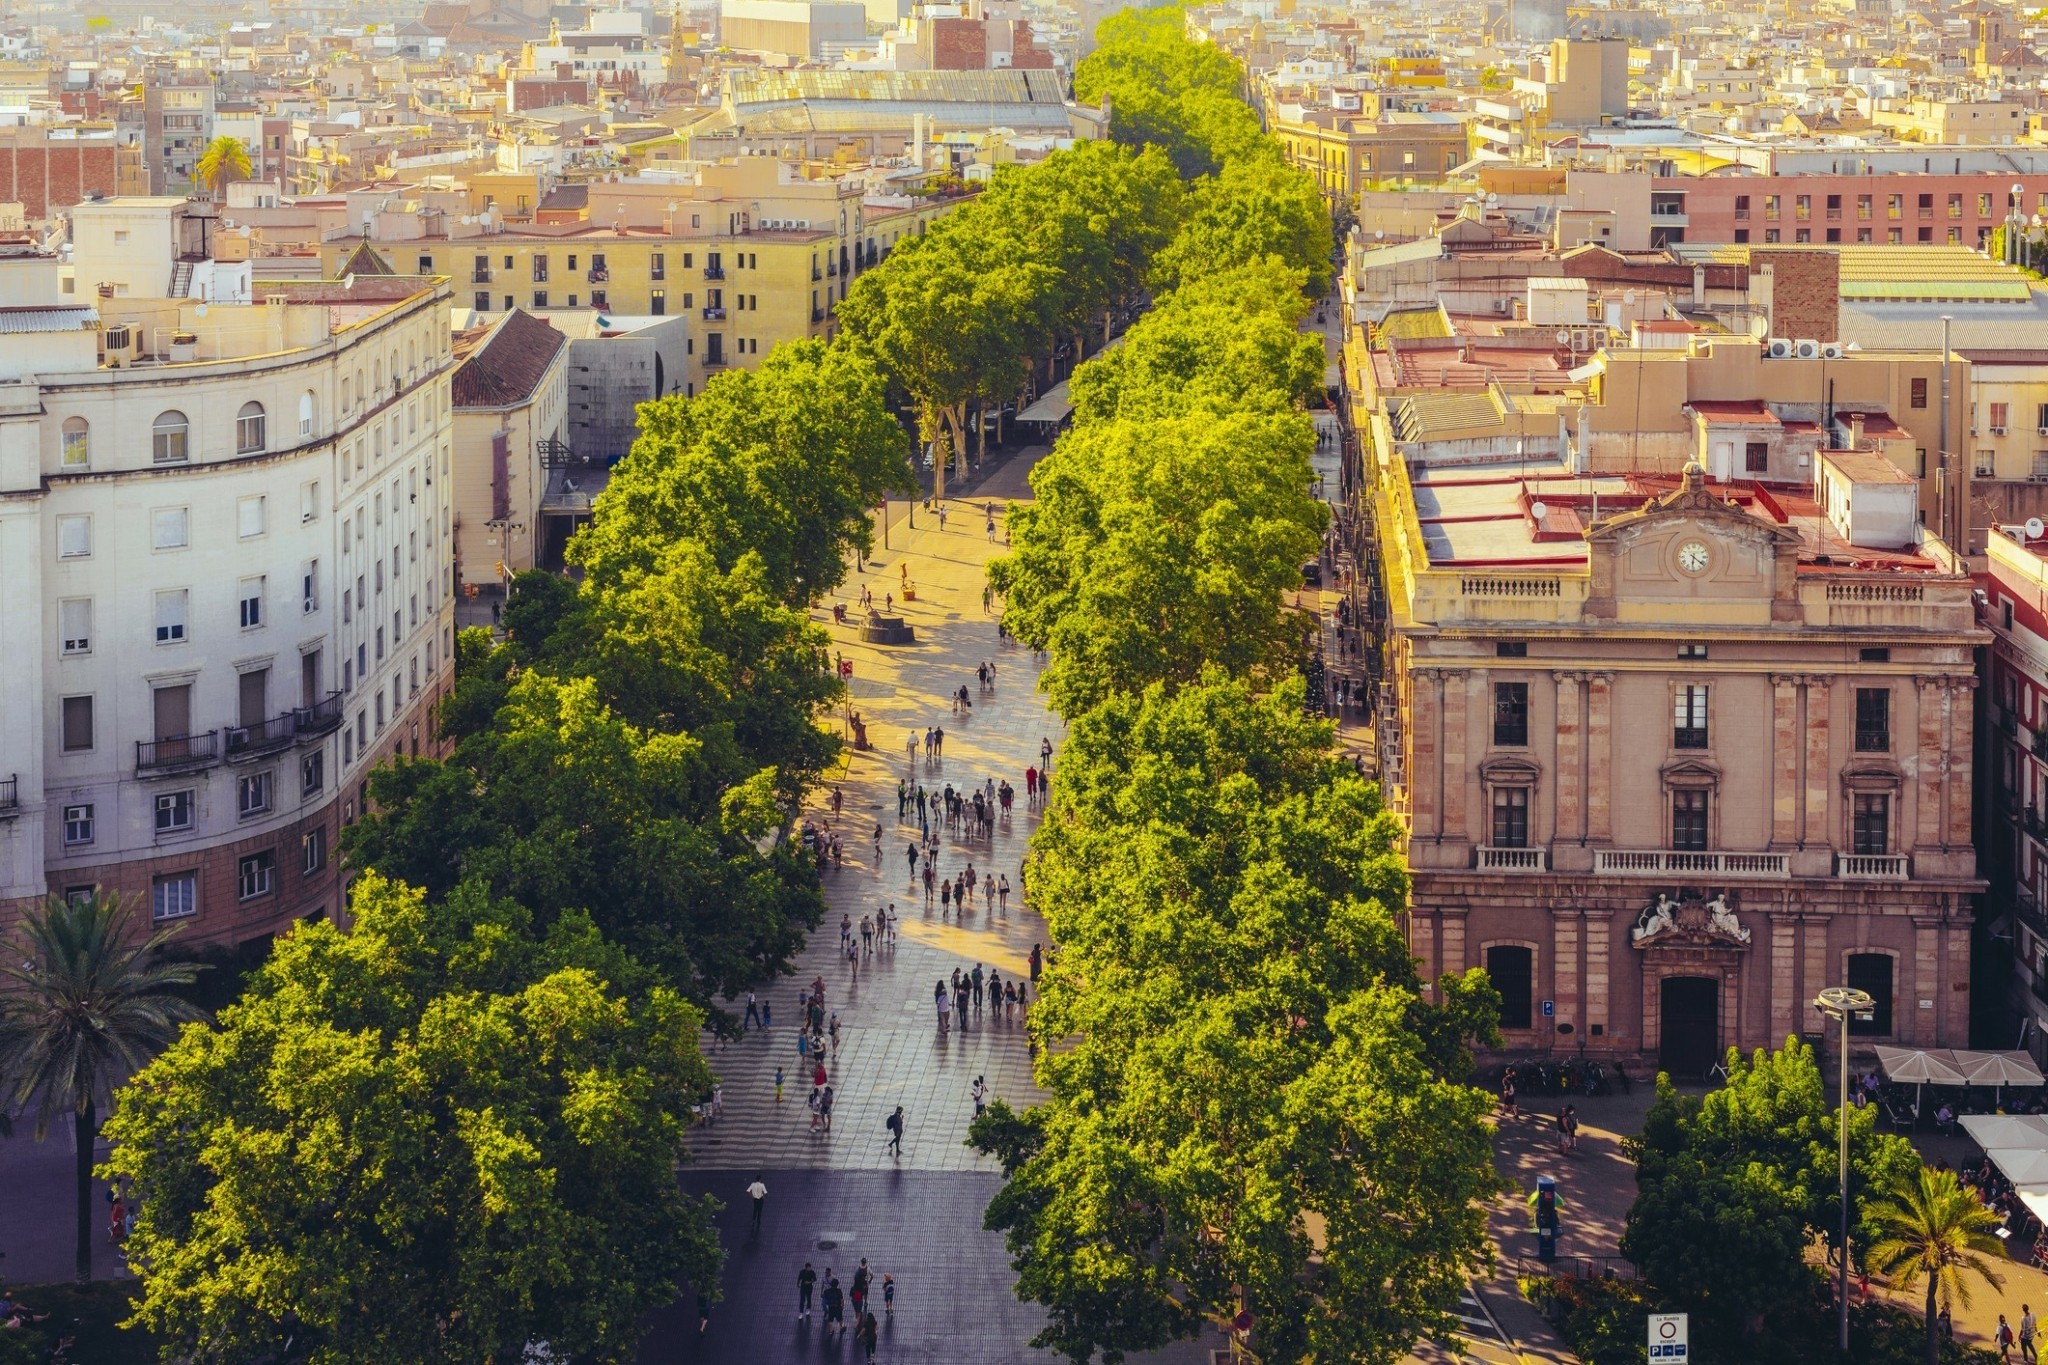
(225, 534)
(177, 123)
(1347, 152)
(2012, 821)
(510, 392)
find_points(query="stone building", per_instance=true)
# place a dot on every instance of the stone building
(1676, 754)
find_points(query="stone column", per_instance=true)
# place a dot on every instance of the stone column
(1422, 943)
(1785, 1014)
(1599, 758)
(1816, 828)
(1785, 747)
(1457, 685)
(1931, 697)
(1923, 980)
(1960, 737)
(1599, 933)
(1565, 930)
(1425, 817)
(1819, 964)
(1952, 1005)
(1453, 921)
(1570, 822)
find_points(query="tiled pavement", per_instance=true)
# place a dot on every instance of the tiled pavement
(891, 1051)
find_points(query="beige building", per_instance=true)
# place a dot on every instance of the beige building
(510, 396)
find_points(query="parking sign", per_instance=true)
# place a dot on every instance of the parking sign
(1667, 1337)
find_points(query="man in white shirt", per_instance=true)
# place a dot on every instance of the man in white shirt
(759, 1194)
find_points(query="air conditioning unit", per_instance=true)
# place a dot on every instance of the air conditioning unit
(1998, 431)
(1832, 351)
(1805, 350)
(1780, 348)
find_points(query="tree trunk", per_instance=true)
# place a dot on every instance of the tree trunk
(934, 432)
(1933, 1329)
(87, 1124)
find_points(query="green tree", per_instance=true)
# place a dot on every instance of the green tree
(1258, 206)
(1158, 546)
(786, 462)
(436, 1137)
(1931, 1227)
(1167, 92)
(1733, 1186)
(1249, 1094)
(225, 160)
(90, 1003)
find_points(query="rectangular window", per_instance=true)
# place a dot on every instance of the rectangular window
(251, 600)
(540, 298)
(657, 302)
(78, 734)
(1871, 973)
(1870, 832)
(256, 875)
(174, 897)
(252, 517)
(1756, 457)
(1919, 393)
(657, 266)
(173, 811)
(312, 851)
(309, 495)
(170, 615)
(170, 528)
(1955, 206)
(1510, 817)
(309, 588)
(74, 625)
(77, 825)
(74, 537)
(1513, 969)
(253, 794)
(313, 773)
(1999, 413)
(1511, 713)
(1511, 649)
(77, 444)
(1689, 821)
(1689, 722)
(540, 269)
(1873, 720)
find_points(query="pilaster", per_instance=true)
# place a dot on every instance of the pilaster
(1457, 691)
(1815, 829)
(1570, 762)
(1785, 746)
(1599, 758)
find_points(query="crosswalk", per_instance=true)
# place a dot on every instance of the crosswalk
(1479, 1335)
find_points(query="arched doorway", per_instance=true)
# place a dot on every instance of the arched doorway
(1689, 1031)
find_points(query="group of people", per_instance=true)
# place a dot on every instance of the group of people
(1005, 1000)
(835, 1299)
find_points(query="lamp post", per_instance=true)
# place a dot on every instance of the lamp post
(1844, 1003)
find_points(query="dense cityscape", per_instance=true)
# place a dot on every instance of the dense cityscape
(1452, 600)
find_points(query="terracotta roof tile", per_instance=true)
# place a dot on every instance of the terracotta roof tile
(506, 366)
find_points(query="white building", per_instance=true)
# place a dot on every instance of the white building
(224, 548)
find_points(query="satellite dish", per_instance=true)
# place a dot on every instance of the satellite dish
(1539, 510)
(1564, 338)
(200, 311)
(2035, 528)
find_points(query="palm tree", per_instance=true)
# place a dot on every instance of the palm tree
(88, 1007)
(1931, 1226)
(225, 159)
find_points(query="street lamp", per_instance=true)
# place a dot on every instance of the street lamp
(1844, 1003)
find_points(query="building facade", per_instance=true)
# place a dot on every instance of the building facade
(224, 531)
(2013, 816)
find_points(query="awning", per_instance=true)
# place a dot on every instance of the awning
(1995, 1131)
(2035, 1197)
(1999, 1068)
(1054, 407)
(1913, 1066)
(2021, 1165)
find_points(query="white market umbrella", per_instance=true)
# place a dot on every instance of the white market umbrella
(2021, 1165)
(1995, 1131)
(1999, 1069)
(1917, 1067)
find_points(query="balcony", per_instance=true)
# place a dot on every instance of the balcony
(246, 743)
(1492, 859)
(817, 315)
(1663, 862)
(597, 274)
(323, 717)
(1869, 867)
(479, 277)
(715, 362)
(177, 754)
(714, 272)
(714, 315)
(10, 800)
(2040, 745)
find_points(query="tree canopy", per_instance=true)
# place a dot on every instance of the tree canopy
(437, 1137)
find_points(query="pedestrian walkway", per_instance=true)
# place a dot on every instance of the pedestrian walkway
(891, 1051)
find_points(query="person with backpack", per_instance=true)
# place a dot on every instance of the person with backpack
(835, 1303)
(861, 1279)
(2002, 1338)
(894, 1123)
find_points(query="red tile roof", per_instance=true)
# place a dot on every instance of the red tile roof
(507, 363)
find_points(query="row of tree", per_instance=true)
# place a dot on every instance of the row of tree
(1257, 1113)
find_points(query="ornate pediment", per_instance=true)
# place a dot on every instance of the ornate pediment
(1693, 922)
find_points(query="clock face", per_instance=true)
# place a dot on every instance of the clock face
(1692, 557)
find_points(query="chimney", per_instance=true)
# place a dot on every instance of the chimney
(1855, 431)
(1699, 286)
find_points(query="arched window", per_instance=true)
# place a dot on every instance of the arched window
(378, 391)
(77, 443)
(249, 432)
(167, 438)
(306, 413)
(344, 393)
(1513, 969)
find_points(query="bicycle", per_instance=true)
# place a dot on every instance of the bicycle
(1719, 1069)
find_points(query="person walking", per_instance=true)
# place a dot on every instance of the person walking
(825, 1108)
(778, 1085)
(2029, 1329)
(867, 1334)
(910, 855)
(980, 1093)
(835, 1303)
(889, 1295)
(2002, 1338)
(758, 1192)
(1003, 892)
(753, 1018)
(862, 1278)
(976, 978)
(806, 1280)
(1036, 961)
(894, 1123)
(1031, 786)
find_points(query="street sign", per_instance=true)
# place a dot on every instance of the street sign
(1549, 1009)
(1667, 1337)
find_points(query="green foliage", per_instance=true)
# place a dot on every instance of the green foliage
(1161, 545)
(1167, 92)
(436, 1137)
(89, 1002)
(1733, 1186)
(1257, 207)
(784, 462)
(225, 160)
(1248, 1090)
(1931, 1228)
